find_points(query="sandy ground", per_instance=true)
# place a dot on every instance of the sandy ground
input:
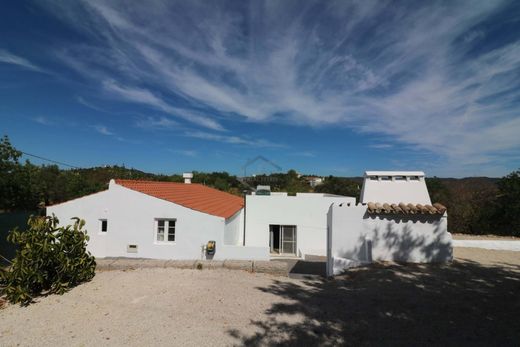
(486, 257)
(483, 237)
(473, 301)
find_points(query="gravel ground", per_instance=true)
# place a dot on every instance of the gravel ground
(487, 257)
(483, 237)
(472, 301)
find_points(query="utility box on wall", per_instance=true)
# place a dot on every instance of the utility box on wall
(211, 248)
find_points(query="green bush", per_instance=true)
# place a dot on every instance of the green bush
(49, 259)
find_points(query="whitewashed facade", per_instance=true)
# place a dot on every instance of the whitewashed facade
(304, 214)
(123, 222)
(356, 237)
(132, 223)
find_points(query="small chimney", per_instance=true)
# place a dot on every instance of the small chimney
(187, 177)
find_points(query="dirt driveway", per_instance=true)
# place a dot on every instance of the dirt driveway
(474, 301)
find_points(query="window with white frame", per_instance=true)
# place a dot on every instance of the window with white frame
(165, 230)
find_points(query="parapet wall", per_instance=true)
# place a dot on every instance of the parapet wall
(356, 237)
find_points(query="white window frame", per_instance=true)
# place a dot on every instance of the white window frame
(100, 230)
(166, 227)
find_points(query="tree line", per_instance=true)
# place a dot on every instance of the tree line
(477, 205)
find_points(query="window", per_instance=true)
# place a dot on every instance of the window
(104, 225)
(165, 230)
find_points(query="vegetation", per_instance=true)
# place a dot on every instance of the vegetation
(49, 259)
(506, 212)
(289, 182)
(339, 186)
(476, 205)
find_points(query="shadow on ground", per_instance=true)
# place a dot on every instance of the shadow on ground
(463, 303)
(312, 267)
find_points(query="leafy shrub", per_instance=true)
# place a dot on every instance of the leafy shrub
(49, 259)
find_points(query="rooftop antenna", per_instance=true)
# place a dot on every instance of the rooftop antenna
(259, 158)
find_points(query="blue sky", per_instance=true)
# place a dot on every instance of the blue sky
(323, 87)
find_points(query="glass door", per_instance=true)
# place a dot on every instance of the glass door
(288, 239)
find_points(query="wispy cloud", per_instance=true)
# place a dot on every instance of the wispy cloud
(185, 152)
(103, 130)
(236, 140)
(42, 120)
(375, 67)
(156, 123)
(381, 145)
(308, 154)
(9, 58)
(146, 97)
(81, 100)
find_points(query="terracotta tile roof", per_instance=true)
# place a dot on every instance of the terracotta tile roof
(195, 196)
(402, 208)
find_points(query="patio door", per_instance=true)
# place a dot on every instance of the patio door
(282, 239)
(288, 239)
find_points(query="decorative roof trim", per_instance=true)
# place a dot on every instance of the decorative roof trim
(407, 209)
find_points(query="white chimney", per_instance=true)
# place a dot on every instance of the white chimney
(187, 177)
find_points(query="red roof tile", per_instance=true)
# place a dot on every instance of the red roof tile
(195, 196)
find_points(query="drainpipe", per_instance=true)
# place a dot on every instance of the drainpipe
(244, 236)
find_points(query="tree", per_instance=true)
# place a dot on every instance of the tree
(507, 207)
(339, 186)
(10, 175)
(49, 259)
(438, 191)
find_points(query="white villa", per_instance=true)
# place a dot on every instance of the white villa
(167, 220)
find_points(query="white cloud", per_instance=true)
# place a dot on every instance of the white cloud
(42, 120)
(158, 123)
(103, 130)
(9, 58)
(236, 140)
(379, 68)
(88, 104)
(308, 154)
(474, 35)
(381, 145)
(144, 96)
(185, 152)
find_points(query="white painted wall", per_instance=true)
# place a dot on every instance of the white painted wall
(131, 219)
(234, 229)
(307, 211)
(389, 187)
(355, 238)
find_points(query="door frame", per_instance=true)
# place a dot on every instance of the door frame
(281, 238)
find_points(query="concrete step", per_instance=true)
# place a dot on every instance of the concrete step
(269, 267)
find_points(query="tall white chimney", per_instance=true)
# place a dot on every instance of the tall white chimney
(187, 177)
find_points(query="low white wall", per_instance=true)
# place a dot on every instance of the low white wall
(307, 211)
(355, 238)
(131, 219)
(500, 245)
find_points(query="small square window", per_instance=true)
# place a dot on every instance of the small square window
(104, 225)
(165, 231)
